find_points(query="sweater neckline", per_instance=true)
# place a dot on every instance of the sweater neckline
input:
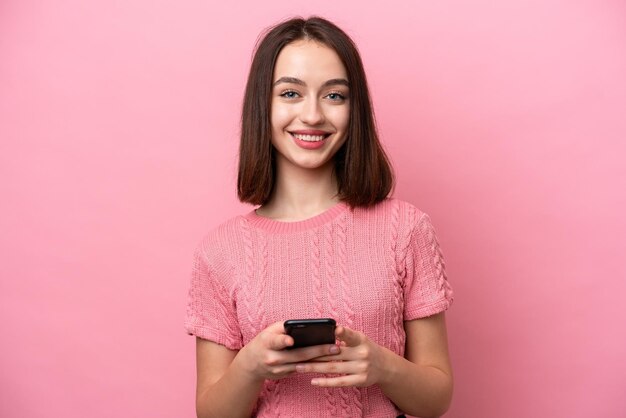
(275, 226)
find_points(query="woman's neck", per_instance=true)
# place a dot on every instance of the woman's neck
(300, 193)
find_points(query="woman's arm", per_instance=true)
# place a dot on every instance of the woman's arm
(222, 390)
(420, 384)
(229, 382)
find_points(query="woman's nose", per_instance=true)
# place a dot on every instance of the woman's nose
(312, 113)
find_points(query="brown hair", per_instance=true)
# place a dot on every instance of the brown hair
(364, 174)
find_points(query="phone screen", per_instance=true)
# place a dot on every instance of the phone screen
(307, 332)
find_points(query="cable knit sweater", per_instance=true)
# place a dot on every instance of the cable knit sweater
(369, 269)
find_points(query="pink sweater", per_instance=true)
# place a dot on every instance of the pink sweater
(369, 269)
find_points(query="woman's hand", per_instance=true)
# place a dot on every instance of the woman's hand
(361, 361)
(265, 357)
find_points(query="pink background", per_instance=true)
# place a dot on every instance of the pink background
(118, 126)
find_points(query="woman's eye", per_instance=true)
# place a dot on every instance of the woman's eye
(335, 96)
(289, 94)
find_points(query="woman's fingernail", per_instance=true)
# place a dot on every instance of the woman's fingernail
(334, 349)
(299, 368)
(315, 382)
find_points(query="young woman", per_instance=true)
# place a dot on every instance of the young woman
(327, 241)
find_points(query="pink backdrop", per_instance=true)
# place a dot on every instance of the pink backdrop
(118, 128)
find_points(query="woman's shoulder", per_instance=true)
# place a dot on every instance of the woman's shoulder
(222, 238)
(396, 209)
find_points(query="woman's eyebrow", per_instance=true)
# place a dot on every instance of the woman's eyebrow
(331, 82)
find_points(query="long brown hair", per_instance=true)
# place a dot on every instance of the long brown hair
(364, 174)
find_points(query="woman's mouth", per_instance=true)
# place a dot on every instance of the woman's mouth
(309, 141)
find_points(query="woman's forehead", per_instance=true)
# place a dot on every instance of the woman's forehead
(308, 59)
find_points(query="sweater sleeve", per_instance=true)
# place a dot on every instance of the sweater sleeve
(426, 287)
(211, 313)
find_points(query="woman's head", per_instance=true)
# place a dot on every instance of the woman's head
(275, 108)
(310, 108)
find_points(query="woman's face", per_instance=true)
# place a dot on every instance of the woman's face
(310, 105)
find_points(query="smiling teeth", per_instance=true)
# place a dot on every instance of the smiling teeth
(310, 138)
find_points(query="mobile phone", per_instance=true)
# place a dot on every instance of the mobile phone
(307, 332)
